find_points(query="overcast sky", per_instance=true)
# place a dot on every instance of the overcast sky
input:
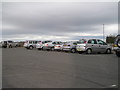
(58, 20)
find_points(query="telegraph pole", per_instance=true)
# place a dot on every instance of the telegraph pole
(103, 32)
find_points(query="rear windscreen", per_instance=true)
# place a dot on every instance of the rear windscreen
(10, 41)
(82, 41)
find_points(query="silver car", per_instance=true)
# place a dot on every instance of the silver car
(40, 44)
(58, 47)
(70, 46)
(8, 44)
(51, 45)
(93, 46)
(30, 44)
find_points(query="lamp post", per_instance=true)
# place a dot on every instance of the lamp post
(103, 32)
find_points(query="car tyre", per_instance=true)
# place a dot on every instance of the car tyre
(117, 53)
(108, 51)
(73, 50)
(10, 46)
(52, 49)
(89, 51)
(118, 43)
(31, 47)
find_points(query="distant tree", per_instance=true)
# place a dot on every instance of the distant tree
(110, 39)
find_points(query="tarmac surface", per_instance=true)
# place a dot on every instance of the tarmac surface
(22, 68)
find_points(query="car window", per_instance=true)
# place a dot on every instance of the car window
(101, 42)
(82, 41)
(36, 42)
(74, 43)
(33, 42)
(30, 42)
(47, 41)
(93, 41)
(10, 41)
(5, 41)
(54, 43)
(89, 41)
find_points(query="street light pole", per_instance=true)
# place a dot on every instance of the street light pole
(103, 32)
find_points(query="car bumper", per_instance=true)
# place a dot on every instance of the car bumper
(47, 47)
(80, 49)
(66, 49)
(115, 48)
(38, 46)
(57, 48)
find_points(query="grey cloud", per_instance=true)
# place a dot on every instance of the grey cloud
(57, 18)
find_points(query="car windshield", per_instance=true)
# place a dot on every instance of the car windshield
(58, 42)
(10, 41)
(5, 41)
(38, 42)
(82, 41)
(46, 42)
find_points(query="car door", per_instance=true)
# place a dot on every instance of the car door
(92, 43)
(34, 43)
(102, 45)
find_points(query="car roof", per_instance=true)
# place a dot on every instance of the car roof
(118, 35)
(33, 40)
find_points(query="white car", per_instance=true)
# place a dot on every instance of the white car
(58, 47)
(8, 44)
(93, 45)
(30, 44)
(50, 45)
(70, 46)
(40, 44)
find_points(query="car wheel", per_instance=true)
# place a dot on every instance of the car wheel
(117, 53)
(89, 51)
(108, 51)
(52, 49)
(118, 43)
(73, 50)
(5, 47)
(31, 47)
(10, 46)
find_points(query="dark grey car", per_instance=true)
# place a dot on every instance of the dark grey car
(117, 45)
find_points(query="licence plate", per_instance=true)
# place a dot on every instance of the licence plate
(78, 49)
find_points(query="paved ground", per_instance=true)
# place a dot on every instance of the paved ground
(45, 69)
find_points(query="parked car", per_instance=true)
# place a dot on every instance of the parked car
(93, 46)
(116, 46)
(40, 44)
(30, 44)
(58, 47)
(8, 44)
(50, 45)
(70, 46)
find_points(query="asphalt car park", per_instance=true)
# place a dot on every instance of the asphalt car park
(23, 68)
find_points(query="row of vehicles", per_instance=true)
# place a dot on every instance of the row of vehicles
(8, 44)
(83, 45)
